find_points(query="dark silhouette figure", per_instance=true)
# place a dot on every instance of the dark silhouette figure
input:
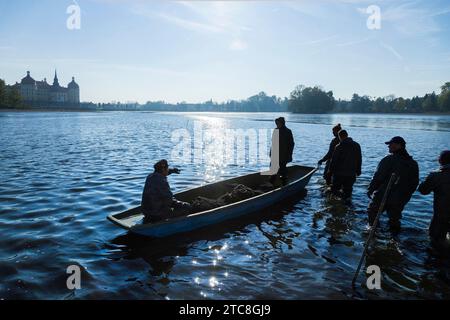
(406, 168)
(286, 148)
(345, 165)
(439, 183)
(158, 202)
(326, 158)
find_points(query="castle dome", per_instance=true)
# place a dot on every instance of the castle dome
(28, 80)
(73, 84)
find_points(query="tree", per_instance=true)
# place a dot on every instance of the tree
(9, 96)
(311, 100)
(414, 105)
(380, 106)
(3, 94)
(399, 105)
(14, 98)
(445, 87)
(429, 103)
(360, 104)
(444, 98)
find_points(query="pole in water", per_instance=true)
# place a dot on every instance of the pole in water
(392, 180)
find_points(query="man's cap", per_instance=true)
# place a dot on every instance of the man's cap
(161, 165)
(398, 140)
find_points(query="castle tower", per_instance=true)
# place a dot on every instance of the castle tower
(28, 88)
(55, 80)
(73, 92)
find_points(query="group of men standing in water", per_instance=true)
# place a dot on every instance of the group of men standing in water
(343, 166)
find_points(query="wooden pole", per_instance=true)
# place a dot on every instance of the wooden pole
(392, 180)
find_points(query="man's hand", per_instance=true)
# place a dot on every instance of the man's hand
(174, 170)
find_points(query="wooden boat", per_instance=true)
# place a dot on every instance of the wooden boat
(298, 178)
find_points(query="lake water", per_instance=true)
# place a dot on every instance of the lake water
(63, 173)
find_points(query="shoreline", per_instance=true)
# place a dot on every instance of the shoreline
(178, 111)
(46, 110)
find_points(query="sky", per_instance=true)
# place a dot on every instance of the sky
(194, 51)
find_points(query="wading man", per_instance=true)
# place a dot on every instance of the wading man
(407, 170)
(345, 165)
(329, 154)
(158, 202)
(439, 183)
(285, 150)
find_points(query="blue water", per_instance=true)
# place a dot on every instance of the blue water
(63, 173)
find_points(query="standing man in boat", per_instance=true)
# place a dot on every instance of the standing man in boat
(439, 183)
(158, 202)
(285, 150)
(345, 165)
(400, 162)
(326, 158)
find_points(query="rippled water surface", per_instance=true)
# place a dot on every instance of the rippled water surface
(63, 173)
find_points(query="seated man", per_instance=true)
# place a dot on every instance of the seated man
(158, 202)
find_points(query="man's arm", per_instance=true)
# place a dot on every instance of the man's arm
(335, 159)
(174, 170)
(329, 153)
(428, 185)
(415, 178)
(291, 142)
(359, 160)
(380, 176)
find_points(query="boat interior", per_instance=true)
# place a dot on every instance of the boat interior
(254, 181)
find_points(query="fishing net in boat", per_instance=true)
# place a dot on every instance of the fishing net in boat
(238, 193)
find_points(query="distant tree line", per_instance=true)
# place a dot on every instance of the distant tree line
(302, 100)
(257, 103)
(9, 97)
(316, 100)
(260, 102)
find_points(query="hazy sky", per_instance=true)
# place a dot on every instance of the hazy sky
(199, 50)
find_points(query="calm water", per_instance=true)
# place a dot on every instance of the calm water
(63, 173)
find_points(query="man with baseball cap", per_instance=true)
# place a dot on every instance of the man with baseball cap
(407, 170)
(439, 183)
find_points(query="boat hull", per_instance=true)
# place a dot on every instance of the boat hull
(215, 216)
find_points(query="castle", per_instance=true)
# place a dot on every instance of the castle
(40, 92)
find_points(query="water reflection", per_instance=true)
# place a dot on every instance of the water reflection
(162, 255)
(409, 122)
(67, 171)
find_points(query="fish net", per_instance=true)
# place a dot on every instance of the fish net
(238, 193)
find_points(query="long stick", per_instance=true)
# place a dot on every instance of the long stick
(392, 181)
